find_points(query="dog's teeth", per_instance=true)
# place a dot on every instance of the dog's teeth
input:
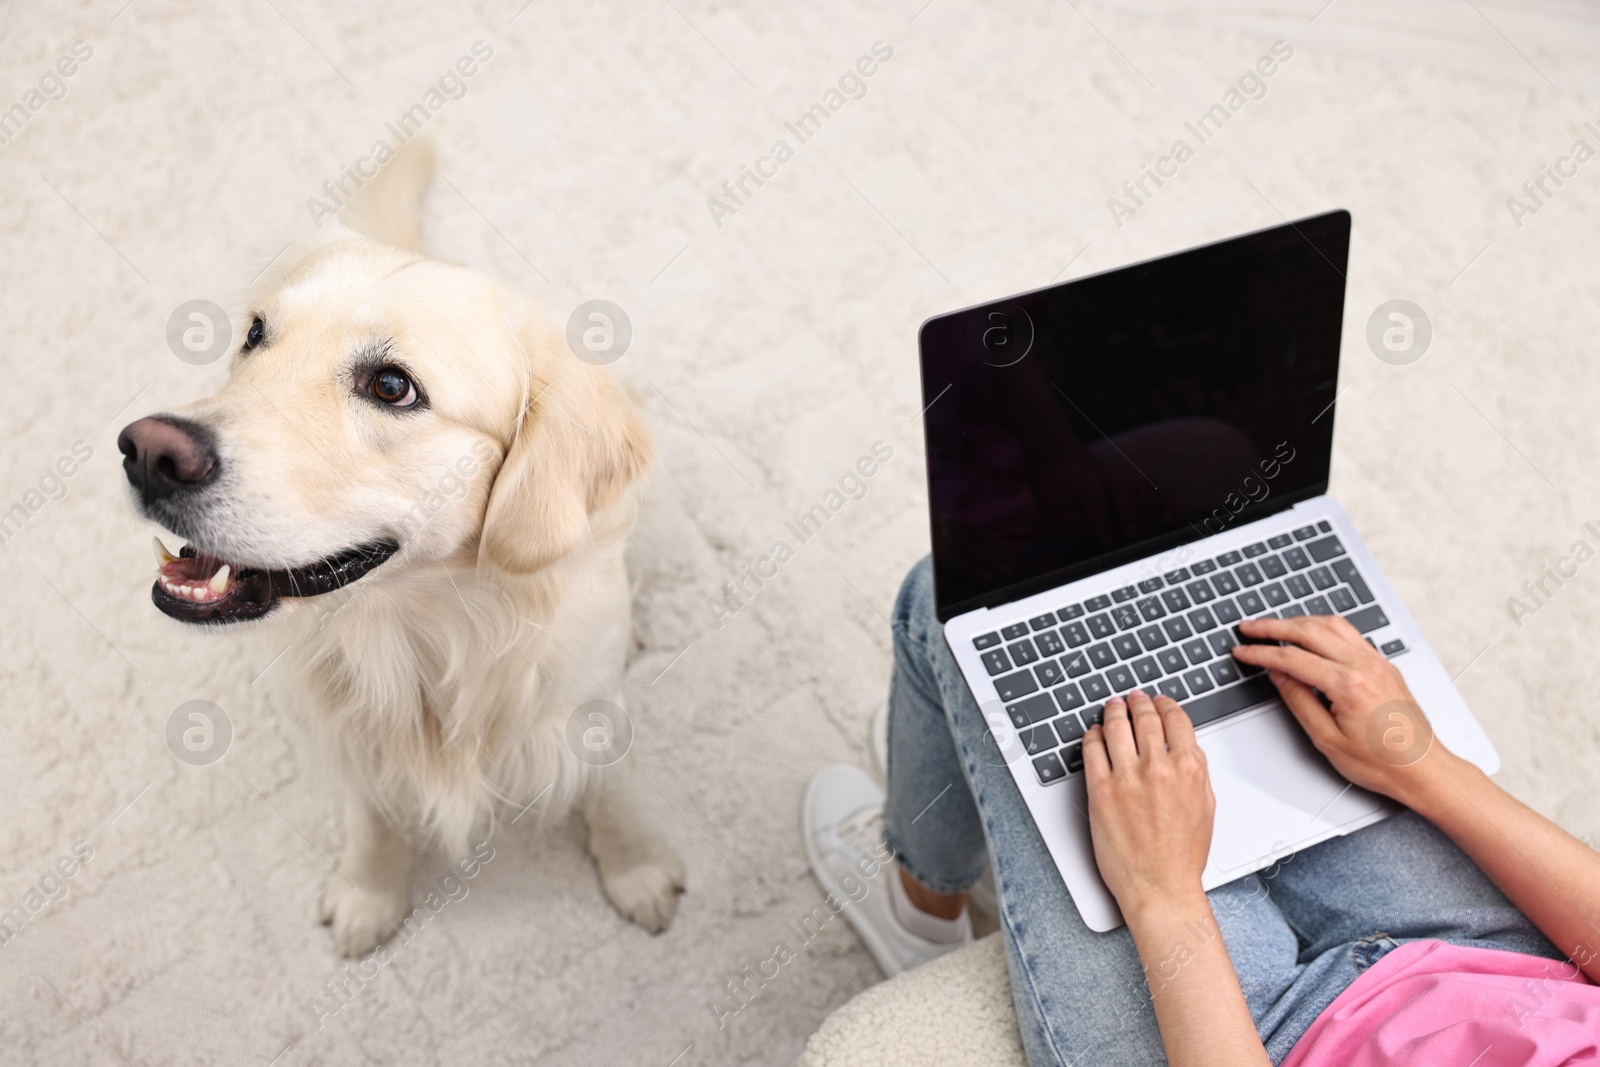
(163, 557)
(219, 580)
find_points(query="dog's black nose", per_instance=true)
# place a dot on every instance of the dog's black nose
(163, 454)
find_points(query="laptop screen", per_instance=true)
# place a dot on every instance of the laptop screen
(1082, 426)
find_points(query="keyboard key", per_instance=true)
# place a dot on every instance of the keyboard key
(1011, 633)
(1127, 645)
(1198, 681)
(1174, 577)
(1318, 605)
(1076, 665)
(1228, 559)
(1297, 559)
(1205, 566)
(1297, 585)
(1066, 614)
(1147, 669)
(1368, 619)
(1126, 593)
(1281, 541)
(1151, 609)
(1171, 660)
(1049, 768)
(1101, 625)
(1250, 603)
(1101, 655)
(1069, 697)
(1075, 635)
(1323, 578)
(1346, 569)
(1273, 566)
(1095, 688)
(1126, 616)
(1226, 611)
(1325, 526)
(1097, 603)
(1091, 716)
(1393, 648)
(1257, 549)
(1012, 686)
(1177, 629)
(1221, 642)
(1201, 620)
(1037, 740)
(1197, 651)
(1042, 622)
(1150, 637)
(1293, 611)
(1305, 533)
(1175, 600)
(1225, 584)
(1074, 756)
(1249, 575)
(1274, 595)
(1022, 653)
(1050, 643)
(1036, 708)
(1200, 591)
(1150, 585)
(1342, 599)
(1120, 679)
(1049, 673)
(1213, 706)
(983, 641)
(1173, 687)
(996, 662)
(1070, 728)
(1325, 549)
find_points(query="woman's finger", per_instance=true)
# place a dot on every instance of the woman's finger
(1320, 634)
(1148, 731)
(1179, 727)
(1119, 733)
(1314, 719)
(1308, 667)
(1096, 763)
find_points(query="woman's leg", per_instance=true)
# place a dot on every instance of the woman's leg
(1080, 996)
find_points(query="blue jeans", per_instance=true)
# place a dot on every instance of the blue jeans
(1298, 933)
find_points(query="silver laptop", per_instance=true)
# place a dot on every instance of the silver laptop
(1120, 469)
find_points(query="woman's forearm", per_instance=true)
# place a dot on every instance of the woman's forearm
(1200, 1008)
(1546, 872)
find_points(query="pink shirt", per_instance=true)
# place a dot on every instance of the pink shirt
(1427, 1002)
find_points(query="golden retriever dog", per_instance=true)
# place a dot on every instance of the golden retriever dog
(409, 469)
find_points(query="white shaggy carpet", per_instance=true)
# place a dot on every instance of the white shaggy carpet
(771, 351)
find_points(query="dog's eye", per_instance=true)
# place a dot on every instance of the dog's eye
(258, 332)
(392, 386)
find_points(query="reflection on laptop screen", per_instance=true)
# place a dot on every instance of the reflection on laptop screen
(1082, 426)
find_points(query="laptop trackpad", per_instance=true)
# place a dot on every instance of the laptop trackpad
(1275, 793)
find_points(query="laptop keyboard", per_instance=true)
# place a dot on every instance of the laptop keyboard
(1172, 634)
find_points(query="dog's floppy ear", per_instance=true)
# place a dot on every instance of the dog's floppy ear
(580, 443)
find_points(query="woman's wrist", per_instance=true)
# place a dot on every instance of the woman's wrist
(1431, 786)
(1158, 908)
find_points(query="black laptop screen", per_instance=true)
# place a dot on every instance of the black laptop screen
(1085, 425)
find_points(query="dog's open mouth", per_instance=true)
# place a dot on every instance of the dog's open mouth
(195, 587)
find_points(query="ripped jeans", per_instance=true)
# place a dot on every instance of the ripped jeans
(1298, 933)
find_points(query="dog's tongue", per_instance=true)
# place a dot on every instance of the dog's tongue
(193, 576)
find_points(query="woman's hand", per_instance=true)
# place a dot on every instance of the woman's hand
(1150, 803)
(1370, 727)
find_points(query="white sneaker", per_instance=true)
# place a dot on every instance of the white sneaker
(842, 823)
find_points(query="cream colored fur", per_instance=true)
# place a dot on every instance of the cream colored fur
(439, 688)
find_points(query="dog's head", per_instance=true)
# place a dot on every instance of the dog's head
(383, 406)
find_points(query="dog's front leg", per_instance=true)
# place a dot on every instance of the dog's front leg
(640, 871)
(369, 893)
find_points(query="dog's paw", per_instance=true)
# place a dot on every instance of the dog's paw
(647, 893)
(361, 918)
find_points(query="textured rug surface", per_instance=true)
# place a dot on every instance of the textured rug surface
(604, 151)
